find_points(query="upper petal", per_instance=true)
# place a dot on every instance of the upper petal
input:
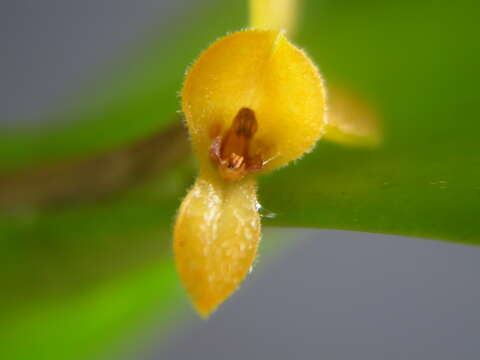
(263, 71)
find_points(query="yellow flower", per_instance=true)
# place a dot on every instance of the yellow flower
(253, 102)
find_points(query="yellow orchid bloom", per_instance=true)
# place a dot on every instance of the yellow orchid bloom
(253, 102)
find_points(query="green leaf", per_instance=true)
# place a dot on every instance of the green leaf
(78, 327)
(75, 279)
(416, 63)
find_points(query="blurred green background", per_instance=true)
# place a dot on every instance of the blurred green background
(89, 185)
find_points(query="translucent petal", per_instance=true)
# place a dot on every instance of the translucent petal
(351, 121)
(216, 239)
(274, 14)
(263, 71)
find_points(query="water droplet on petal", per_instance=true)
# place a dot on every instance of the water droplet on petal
(265, 213)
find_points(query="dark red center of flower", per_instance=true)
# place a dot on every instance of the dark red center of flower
(232, 151)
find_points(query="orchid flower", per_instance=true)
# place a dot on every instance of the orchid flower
(253, 102)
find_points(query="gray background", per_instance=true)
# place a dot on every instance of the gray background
(339, 295)
(331, 295)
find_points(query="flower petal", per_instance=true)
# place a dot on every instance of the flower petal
(216, 239)
(351, 121)
(262, 71)
(273, 14)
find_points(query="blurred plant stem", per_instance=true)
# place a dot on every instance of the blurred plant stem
(91, 178)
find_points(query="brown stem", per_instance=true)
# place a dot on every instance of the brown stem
(90, 178)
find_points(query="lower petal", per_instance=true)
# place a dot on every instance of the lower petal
(216, 237)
